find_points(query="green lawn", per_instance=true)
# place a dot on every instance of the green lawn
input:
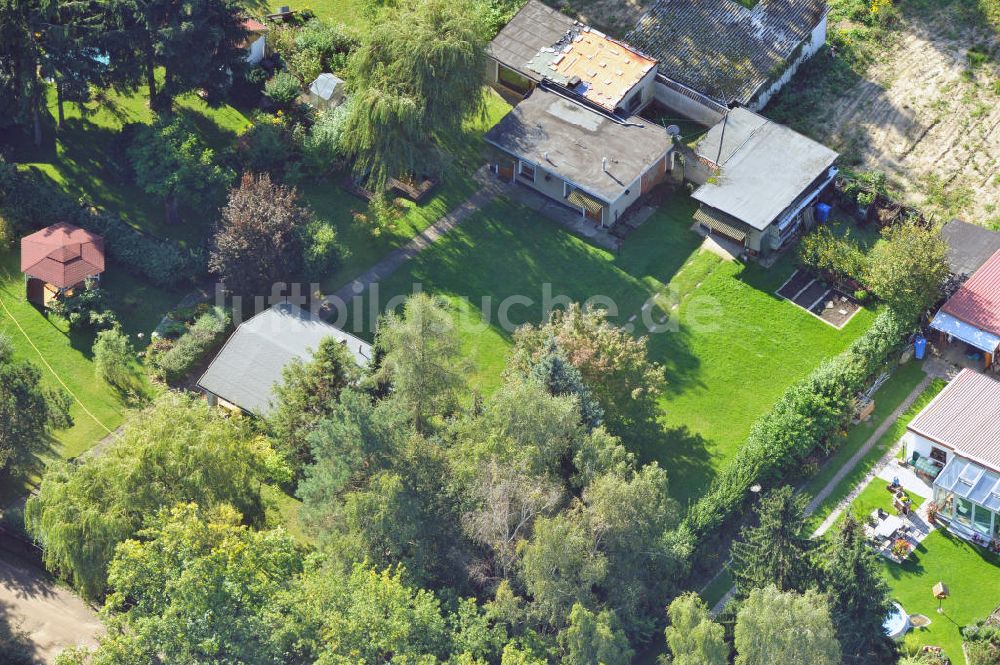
(973, 578)
(42, 339)
(348, 12)
(734, 347)
(81, 156)
(885, 442)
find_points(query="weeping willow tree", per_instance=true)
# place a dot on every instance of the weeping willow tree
(418, 75)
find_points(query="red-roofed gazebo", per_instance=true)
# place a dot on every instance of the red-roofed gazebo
(58, 259)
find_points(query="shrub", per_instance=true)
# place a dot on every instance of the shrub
(383, 213)
(264, 146)
(162, 261)
(321, 147)
(283, 89)
(85, 308)
(174, 363)
(113, 358)
(322, 250)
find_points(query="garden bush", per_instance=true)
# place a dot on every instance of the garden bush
(322, 151)
(805, 417)
(85, 308)
(323, 252)
(114, 357)
(173, 362)
(283, 89)
(264, 146)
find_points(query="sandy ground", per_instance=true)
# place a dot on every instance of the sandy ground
(53, 617)
(928, 120)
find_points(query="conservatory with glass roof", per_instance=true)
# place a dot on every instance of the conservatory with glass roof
(954, 444)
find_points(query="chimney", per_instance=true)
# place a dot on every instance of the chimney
(604, 164)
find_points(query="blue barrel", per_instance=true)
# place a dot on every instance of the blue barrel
(822, 213)
(919, 347)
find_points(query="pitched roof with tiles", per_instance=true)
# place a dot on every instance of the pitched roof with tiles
(963, 417)
(977, 301)
(721, 48)
(247, 368)
(533, 28)
(62, 255)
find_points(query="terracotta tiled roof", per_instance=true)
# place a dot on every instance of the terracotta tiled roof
(963, 417)
(721, 48)
(977, 301)
(62, 255)
(253, 25)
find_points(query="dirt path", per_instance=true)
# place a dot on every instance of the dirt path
(927, 118)
(52, 616)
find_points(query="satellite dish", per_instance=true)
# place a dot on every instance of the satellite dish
(673, 130)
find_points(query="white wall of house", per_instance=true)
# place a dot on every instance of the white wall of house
(816, 40)
(255, 52)
(923, 446)
(690, 104)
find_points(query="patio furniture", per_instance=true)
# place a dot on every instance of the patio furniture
(889, 526)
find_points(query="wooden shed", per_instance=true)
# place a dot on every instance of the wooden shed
(59, 259)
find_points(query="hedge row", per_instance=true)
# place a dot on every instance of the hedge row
(175, 362)
(805, 418)
(29, 201)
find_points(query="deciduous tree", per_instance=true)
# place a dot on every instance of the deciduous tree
(907, 267)
(594, 639)
(197, 586)
(693, 638)
(412, 88)
(178, 449)
(259, 241)
(172, 163)
(613, 364)
(785, 628)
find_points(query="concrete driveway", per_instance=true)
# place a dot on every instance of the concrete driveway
(52, 616)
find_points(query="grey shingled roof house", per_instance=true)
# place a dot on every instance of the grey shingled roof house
(245, 371)
(587, 160)
(727, 51)
(767, 178)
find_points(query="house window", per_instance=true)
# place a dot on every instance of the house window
(634, 101)
(508, 78)
(526, 171)
(939, 455)
(982, 520)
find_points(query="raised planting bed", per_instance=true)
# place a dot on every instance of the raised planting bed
(415, 191)
(795, 283)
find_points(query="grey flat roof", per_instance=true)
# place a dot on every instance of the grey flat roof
(533, 28)
(249, 365)
(969, 246)
(764, 167)
(720, 47)
(963, 417)
(571, 140)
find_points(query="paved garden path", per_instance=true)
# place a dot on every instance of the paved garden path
(491, 188)
(52, 616)
(933, 370)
